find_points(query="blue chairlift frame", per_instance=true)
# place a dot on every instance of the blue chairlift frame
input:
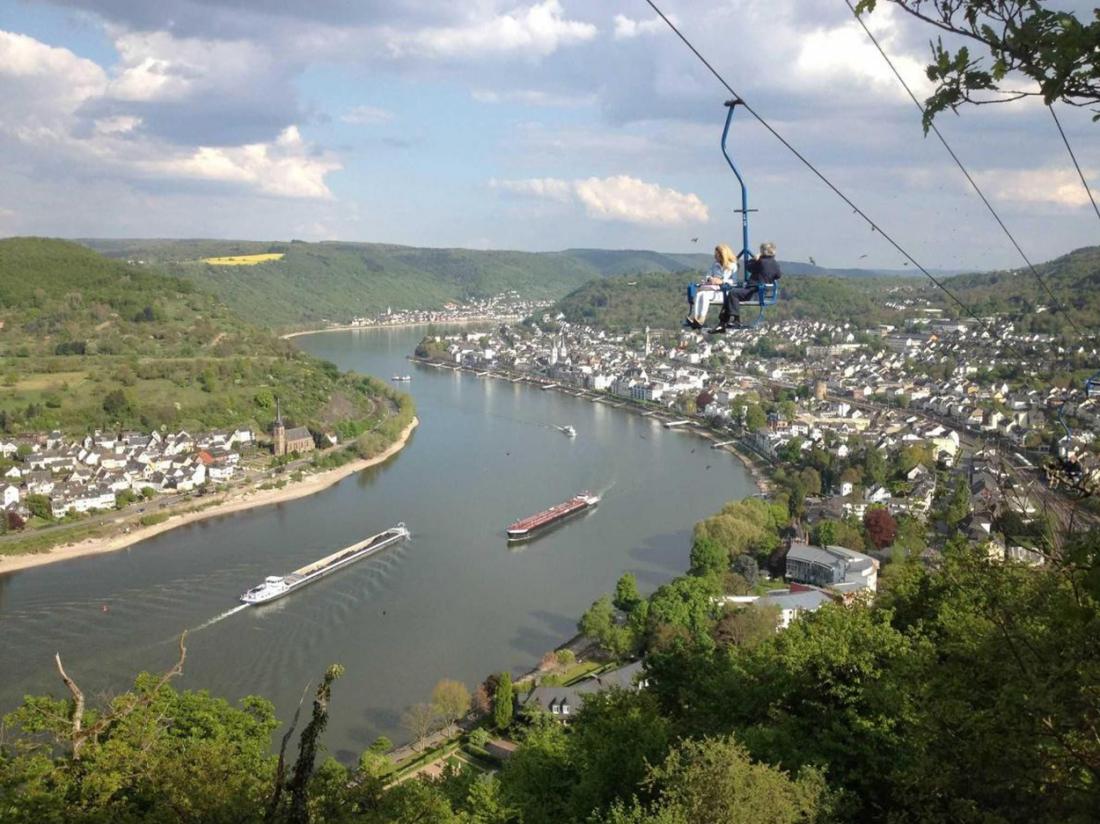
(1067, 469)
(767, 293)
(1092, 390)
(1092, 386)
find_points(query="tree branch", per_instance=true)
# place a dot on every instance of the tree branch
(280, 769)
(77, 717)
(79, 735)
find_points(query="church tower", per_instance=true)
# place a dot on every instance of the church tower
(278, 432)
(648, 345)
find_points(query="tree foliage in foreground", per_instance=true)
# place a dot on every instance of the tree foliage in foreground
(1049, 47)
(967, 693)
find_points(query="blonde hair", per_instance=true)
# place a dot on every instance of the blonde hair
(725, 255)
(767, 249)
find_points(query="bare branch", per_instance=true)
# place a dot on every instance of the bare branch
(77, 717)
(79, 735)
(280, 769)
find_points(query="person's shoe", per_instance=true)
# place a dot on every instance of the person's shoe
(689, 323)
(718, 330)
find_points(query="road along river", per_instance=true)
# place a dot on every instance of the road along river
(456, 601)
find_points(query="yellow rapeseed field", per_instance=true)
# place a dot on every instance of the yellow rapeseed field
(243, 260)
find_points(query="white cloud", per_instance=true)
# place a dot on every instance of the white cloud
(285, 168)
(120, 124)
(46, 90)
(536, 30)
(618, 198)
(159, 66)
(1060, 187)
(533, 97)
(627, 28)
(366, 116)
(550, 188)
(829, 57)
(39, 81)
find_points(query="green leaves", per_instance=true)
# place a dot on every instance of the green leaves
(1028, 43)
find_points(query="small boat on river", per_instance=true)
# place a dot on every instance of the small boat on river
(401, 378)
(568, 431)
(275, 586)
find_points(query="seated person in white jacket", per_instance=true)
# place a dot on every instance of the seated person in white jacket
(722, 273)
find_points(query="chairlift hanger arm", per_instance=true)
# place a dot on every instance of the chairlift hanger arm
(731, 106)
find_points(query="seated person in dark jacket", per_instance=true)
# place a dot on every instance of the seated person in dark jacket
(763, 268)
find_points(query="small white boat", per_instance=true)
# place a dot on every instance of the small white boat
(401, 378)
(568, 431)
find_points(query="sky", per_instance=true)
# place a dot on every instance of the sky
(514, 124)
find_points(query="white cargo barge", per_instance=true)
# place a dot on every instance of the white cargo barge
(275, 586)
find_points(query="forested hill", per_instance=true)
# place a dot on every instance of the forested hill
(1074, 279)
(90, 342)
(658, 300)
(314, 282)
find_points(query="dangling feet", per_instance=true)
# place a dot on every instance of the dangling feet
(692, 323)
(722, 328)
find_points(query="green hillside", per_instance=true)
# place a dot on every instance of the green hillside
(658, 300)
(851, 295)
(90, 342)
(1074, 279)
(316, 282)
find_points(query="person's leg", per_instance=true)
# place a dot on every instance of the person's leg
(734, 300)
(702, 304)
(724, 315)
(692, 291)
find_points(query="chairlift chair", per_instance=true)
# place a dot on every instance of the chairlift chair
(767, 293)
(1092, 386)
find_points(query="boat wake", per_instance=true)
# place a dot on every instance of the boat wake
(221, 617)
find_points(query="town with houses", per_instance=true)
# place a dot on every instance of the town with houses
(845, 390)
(105, 469)
(505, 306)
(850, 390)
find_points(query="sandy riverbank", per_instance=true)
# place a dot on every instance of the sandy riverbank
(234, 501)
(422, 323)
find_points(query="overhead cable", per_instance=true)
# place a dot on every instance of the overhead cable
(821, 176)
(966, 173)
(1073, 157)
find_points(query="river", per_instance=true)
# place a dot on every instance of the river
(456, 601)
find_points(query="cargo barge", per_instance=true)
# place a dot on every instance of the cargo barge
(275, 586)
(527, 527)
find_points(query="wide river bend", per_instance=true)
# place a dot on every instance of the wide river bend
(456, 601)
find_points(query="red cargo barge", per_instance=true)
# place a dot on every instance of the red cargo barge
(528, 526)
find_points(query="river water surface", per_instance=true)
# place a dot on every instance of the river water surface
(456, 601)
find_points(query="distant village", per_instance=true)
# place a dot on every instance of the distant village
(507, 305)
(850, 390)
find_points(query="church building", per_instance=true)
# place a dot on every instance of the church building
(288, 441)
